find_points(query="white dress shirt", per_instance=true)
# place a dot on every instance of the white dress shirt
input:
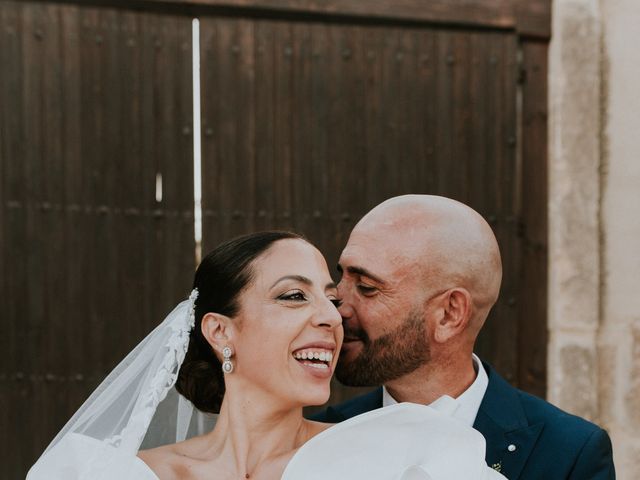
(467, 404)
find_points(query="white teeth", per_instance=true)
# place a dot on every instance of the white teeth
(310, 355)
(321, 366)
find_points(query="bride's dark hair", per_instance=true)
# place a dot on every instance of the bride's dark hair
(220, 278)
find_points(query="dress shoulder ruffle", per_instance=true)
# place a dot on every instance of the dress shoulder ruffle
(80, 457)
(400, 442)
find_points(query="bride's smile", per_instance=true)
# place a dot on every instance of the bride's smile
(316, 359)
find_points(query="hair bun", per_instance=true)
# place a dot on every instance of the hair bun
(200, 379)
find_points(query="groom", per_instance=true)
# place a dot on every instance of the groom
(419, 276)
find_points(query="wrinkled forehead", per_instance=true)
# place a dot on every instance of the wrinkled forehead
(384, 251)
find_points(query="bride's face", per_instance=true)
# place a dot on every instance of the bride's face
(289, 330)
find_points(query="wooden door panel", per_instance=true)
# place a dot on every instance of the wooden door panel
(308, 125)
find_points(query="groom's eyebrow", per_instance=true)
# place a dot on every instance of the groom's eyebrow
(363, 272)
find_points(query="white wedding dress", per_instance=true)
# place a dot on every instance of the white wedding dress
(399, 442)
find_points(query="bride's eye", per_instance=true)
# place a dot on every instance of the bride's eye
(336, 302)
(295, 296)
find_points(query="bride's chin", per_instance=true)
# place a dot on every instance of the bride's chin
(315, 398)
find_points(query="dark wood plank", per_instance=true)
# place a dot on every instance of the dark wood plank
(152, 45)
(12, 180)
(283, 50)
(68, 395)
(302, 190)
(442, 101)
(49, 238)
(263, 111)
(133, 198)
(426, 118)
(496, 341)
(13, 299)
(212, 233)
(321, 154)
(494, 13)
(373, 74)
(532, 312)
(533, 18)
(341, 128)
(33, 35)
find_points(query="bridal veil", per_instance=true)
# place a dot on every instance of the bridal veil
(137, 406)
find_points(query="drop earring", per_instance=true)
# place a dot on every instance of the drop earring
(227, 364)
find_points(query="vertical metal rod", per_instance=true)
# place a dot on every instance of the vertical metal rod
(197, 142)
(158, 187)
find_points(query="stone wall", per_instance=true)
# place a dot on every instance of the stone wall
(594, 219)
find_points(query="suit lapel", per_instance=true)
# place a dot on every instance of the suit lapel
(502, 421)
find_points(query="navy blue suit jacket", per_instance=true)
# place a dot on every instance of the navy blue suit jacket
(549, 444)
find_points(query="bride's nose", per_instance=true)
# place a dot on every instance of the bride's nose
(327, 315)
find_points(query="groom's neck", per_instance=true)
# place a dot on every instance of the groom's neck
(433, 380)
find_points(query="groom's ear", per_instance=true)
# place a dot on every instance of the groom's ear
(218, 330)
(454, 314)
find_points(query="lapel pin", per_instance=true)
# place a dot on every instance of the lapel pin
(511, 448)
(497, 466)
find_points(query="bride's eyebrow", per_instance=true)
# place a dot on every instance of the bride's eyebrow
(298, 278)
(303, 279)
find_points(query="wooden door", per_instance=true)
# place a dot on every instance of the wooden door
(311, 119)
(95, 104)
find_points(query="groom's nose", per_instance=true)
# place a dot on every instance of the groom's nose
(345, 309)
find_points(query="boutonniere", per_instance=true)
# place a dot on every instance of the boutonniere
(497, 466)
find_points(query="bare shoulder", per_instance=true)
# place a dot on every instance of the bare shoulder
(169, 462)
(160, 460)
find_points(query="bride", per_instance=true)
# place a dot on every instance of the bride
(257, 341)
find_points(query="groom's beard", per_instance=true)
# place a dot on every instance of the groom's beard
(386, 358)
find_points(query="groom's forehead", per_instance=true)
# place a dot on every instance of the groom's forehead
(380, 264)
(380, 245)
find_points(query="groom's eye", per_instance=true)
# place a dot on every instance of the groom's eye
(366, 290)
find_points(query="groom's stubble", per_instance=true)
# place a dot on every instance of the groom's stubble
(387, 357)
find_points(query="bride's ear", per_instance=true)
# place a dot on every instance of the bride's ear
(217, 329)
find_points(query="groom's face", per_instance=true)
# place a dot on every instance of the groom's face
(383, 299)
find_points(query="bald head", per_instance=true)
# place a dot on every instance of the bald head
(447, 240)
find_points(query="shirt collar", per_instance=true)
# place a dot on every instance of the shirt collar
(467, 404)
